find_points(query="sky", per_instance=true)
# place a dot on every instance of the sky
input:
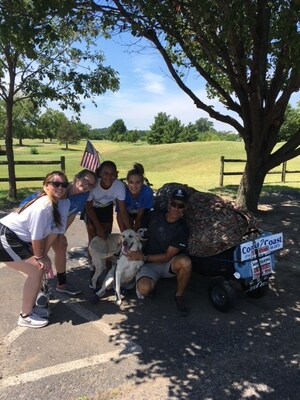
(146, 89)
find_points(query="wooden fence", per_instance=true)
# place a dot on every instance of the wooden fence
(224, 160)
(61, 162)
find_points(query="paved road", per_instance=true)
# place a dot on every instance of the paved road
(144, 350)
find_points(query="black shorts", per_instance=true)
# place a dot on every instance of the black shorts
(104, 214)
(11, 247)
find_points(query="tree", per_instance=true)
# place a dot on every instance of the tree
(157, 129)
(172, 131)
(49, 123)
(291, 123)
(247, 52)
(68, 133)
(204, 125)
(47, 53)
(188, 134)
(118, 130)
(25, 119)
(132, 136)
(99, 134)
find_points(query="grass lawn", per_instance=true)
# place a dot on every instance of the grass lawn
(196, 164)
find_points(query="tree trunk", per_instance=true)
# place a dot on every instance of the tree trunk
(251, 186)
(12, 191)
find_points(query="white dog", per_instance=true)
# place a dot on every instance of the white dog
(125, 270)
(100, 250)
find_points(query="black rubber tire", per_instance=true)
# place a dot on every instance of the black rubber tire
(222, 294)
(259, 292)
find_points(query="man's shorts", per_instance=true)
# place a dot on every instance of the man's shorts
(11, 247)
(156, 271)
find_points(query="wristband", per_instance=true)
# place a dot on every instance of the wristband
(38, 258)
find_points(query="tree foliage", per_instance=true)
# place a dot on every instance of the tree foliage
(47, 53)
(249, 55)
(49, 123)
(204, 125)
(68, 133)
(117, 131)
(25, 120)
(291, 123)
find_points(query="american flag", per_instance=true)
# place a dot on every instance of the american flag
(90, 158)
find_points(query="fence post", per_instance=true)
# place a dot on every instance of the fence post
(63, 163)
(283, 172)
(222, 172)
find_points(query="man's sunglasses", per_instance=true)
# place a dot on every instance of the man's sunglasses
(177, 205)
(58, 184)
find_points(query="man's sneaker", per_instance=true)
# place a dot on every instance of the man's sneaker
(68, 289)
(42, 300)
(181, 306)
(42, 312)
(32, 321)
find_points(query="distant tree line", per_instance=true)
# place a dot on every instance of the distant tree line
(163, 130)
(30, 123)
(171, 130)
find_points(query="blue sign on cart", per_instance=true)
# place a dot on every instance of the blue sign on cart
(261, 247)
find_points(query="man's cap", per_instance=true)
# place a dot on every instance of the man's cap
(180, 194)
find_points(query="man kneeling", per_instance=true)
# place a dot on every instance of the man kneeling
(168, 236)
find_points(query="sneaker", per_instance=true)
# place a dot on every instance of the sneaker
(42, 312)
(42, 300)
(32, 321)
(182, 310)
(68, 289)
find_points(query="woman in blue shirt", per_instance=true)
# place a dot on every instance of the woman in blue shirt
(139, 198)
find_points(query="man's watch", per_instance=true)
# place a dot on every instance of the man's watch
(145, 258)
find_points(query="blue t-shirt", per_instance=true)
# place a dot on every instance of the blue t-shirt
(77, 201)
(144, 200)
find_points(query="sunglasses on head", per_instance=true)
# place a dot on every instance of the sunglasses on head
(58, 184)
(177, 205)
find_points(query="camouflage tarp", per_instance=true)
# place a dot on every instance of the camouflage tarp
(215, 224)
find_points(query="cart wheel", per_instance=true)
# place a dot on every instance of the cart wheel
(222, 295)
(259, 292)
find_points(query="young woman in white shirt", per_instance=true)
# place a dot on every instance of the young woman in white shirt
(23, 240)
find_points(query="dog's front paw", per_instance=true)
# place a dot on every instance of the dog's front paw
(94, 299)
(118, 302)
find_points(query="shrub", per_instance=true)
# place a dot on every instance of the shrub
(34, 150)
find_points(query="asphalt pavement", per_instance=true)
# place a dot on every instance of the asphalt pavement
(143, 350)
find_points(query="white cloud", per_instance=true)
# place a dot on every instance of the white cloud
(139, 110)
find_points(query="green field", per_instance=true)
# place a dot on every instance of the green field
(196, 164)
